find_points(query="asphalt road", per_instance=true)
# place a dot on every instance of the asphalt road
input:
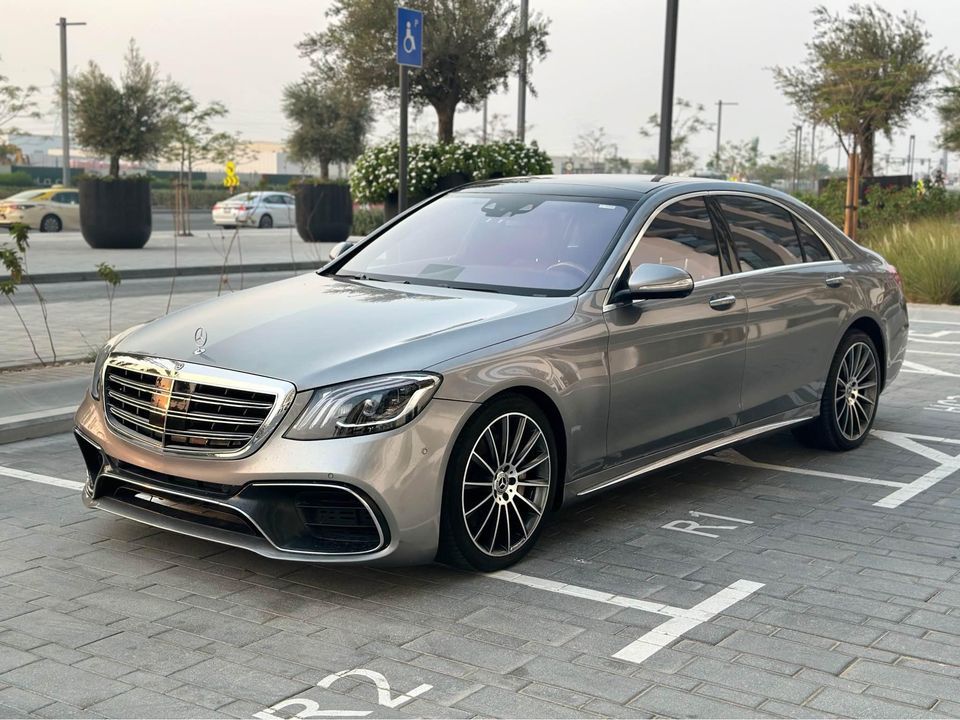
(766, 581)
(199, 220)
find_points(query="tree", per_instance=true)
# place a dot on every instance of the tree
(738, 158)
(470, 49)
(16, 102)
(130, 119)
(592, 145)
(866, 72)
(330, 122)
(949, 111)
(688, 122)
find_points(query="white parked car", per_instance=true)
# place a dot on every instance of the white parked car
(256, 209)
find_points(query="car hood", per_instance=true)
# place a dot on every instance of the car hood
(313, 330)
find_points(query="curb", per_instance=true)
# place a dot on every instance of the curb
(147, 273)
(41, 423)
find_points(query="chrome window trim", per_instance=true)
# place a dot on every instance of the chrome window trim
(608, 305)
(284, 393)
(201, 499)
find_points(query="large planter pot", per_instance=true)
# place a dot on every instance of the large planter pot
(391, 206)
(115, 213)
(324, 213)
(445, 182)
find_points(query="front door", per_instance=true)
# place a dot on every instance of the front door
(676, 364)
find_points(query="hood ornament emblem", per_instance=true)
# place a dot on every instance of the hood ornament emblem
(200, 338)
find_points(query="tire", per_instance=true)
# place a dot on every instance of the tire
(474, 533)
(849, 403)
(50, 223)
(266, 222)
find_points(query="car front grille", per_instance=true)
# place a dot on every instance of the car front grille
(159, 405)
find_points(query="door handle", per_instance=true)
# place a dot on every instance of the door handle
(835, 281)
(722, 302)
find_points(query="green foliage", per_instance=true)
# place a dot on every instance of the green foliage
(688, 122)
(191, 137)
(330, 121)
(927, 255)
(375, 174)
(471, 48)
(864, 73)
(108, 273)
(366, 220)
(16, 102)
(130, 119)
(16, 179)
(949, 111)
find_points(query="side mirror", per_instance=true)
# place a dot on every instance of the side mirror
(339, 249)
(651, 281)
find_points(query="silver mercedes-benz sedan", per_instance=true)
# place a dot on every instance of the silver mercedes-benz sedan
(445, 383)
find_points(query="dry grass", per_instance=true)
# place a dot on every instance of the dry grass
(927, 254)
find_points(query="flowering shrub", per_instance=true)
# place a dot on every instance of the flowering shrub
(375, 173)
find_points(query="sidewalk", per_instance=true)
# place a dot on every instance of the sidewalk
(41, 401)
(65, 257)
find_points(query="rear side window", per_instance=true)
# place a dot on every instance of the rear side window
(813, 248)
(763, 234)
(681, 235)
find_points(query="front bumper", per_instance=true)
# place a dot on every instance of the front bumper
(372, 499)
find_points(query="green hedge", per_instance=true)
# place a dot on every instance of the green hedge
(375, 175)
(926, 253)
(16, 180)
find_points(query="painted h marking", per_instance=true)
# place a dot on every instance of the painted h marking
(682, 620)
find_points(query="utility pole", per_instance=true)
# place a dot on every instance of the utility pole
(797, 144)
(910, 151)
(483, 135)
(522, 74)
(65, 98)
(666, 97)
(720, 104)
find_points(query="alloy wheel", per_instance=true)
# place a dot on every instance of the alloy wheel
(506, 484)
(855, 394)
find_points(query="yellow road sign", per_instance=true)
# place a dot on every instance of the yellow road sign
(231, 180)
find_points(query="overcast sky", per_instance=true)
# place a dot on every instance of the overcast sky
(604, 68)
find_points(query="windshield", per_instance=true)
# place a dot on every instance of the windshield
(25, 195)
(523, 243)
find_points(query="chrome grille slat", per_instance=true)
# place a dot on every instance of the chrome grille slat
(205, 417)
(195, 397)
(170, 407)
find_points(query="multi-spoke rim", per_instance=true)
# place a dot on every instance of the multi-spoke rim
(855, 396)
(506, 484)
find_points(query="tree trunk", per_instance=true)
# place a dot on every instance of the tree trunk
(115, 166)
(324, 169)
(445, 113)
(866, 154)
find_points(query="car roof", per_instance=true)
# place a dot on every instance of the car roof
(614, 186)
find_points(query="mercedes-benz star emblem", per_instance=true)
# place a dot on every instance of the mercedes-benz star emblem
(200, 338)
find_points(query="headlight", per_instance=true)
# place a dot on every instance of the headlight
(102, 355)
(364, 407)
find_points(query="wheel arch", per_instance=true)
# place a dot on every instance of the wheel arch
(871, 327)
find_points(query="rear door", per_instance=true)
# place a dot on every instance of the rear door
(67, 203)
(676, 364)
(278, 209)
(796, 299)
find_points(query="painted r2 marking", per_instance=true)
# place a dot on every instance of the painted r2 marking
(311, 708)
(693, 527)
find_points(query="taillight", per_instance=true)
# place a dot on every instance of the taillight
(896, 275)
(216, 206)
(242, 208)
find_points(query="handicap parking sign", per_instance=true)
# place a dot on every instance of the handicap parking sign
(409, 37)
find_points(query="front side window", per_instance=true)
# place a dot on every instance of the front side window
(681, 235)
(508, 242)
(763, 233)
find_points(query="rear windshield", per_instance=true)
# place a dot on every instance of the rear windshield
(517, 242)
(25, 195)
(242, 197)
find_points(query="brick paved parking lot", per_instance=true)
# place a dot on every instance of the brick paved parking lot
(769, 580)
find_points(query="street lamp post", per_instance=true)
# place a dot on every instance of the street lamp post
(65, 98)
(666, 98)
(522, 74)
(910, 151)
(720, 104)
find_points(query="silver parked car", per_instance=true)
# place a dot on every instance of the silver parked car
(500, 350)
(256, 209)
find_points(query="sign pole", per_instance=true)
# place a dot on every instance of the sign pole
(666, 99)
(404, 101)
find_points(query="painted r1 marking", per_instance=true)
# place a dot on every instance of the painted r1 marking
(693, 527)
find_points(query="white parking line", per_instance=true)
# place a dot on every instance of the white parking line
(914, 367)
(45, 479)
(947, 465)
(682, 620)
(733, 457)
(914, 321)
(931, 352)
